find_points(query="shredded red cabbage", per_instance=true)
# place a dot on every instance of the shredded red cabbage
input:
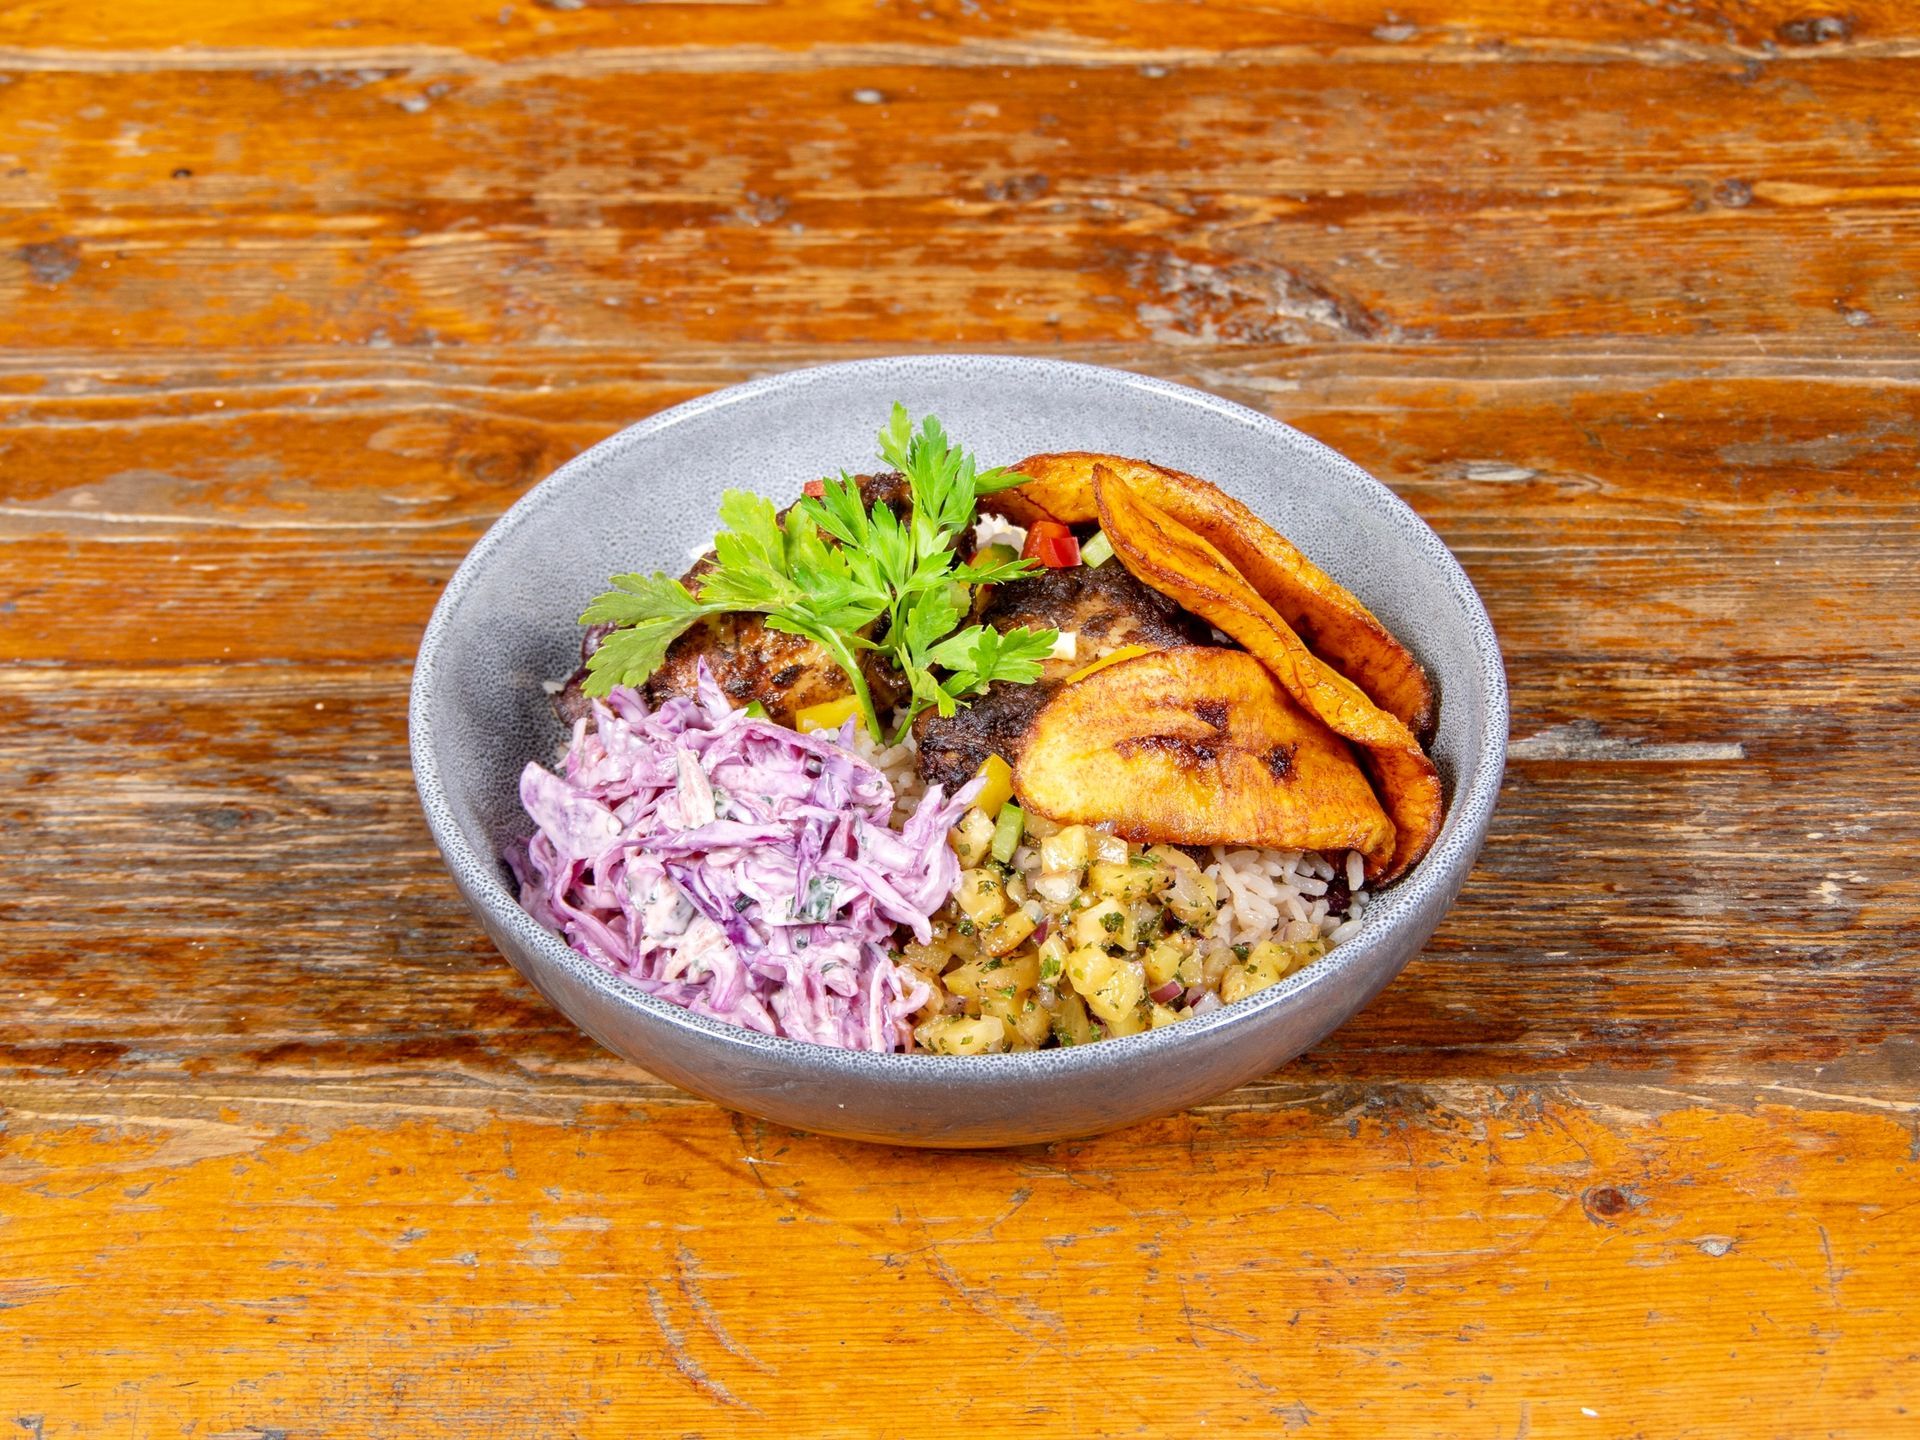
(737, 867)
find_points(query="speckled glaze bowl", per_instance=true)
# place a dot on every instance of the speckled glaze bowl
(644, 498)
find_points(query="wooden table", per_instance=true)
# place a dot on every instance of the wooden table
(295, 298)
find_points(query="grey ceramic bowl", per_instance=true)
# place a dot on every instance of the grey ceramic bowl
(644, 498)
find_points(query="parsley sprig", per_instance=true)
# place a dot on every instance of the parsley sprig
(849, 577)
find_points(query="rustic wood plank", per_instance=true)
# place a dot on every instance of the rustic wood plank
(142, 926)
(284, 206)
(1433, 1261)
(1595, 457)
(149, 32)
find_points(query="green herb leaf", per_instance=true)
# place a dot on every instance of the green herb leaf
(996, 574)
(836, 601)
(991, 482)
(635, 598)
(806, 549)
(979, 655)
(896, 436)
(754, 589)
(628, 657)
(751, 540)
(847, 576)
(839, 511)
(932, 615)
(655, 611)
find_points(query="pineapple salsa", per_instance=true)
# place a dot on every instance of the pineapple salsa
(1058, 935)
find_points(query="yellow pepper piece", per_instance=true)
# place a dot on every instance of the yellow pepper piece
(999, 787)
(827, 715)
(1125, 652)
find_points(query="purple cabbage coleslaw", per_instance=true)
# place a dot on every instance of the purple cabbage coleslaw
(738, 868)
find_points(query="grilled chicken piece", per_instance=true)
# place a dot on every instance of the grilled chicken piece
(1103, 604)
(750, 661)
(996, 723)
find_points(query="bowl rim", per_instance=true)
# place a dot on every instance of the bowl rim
(1441, 871)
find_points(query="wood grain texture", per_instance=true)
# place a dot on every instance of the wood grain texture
(647, 1266)
(296, 298)
(149, 34)
(1294, 202)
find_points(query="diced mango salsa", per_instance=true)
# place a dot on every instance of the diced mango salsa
(827, 715)
(999, 787)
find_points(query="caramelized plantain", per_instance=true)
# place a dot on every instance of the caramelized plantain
(1176, 561)
(1198, 746)
(1328, 617)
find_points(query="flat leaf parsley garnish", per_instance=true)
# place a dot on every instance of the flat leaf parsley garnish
(850, 578)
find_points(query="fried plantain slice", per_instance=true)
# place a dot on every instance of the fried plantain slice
(1059, 487)
(1198, 746)
(1179, 563)
(1321, 611)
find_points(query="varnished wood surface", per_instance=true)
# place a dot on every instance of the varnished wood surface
(296, 298)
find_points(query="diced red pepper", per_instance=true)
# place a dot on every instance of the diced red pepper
(814, 489)
(1052, 544)
(1038, 534)
(1061, 554)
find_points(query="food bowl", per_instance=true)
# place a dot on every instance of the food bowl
(645, 499)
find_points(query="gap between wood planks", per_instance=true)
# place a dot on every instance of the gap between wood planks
(1037, 52)
(626, 1093)
(73, 374)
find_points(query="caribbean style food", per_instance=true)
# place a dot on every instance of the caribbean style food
(966, 761)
